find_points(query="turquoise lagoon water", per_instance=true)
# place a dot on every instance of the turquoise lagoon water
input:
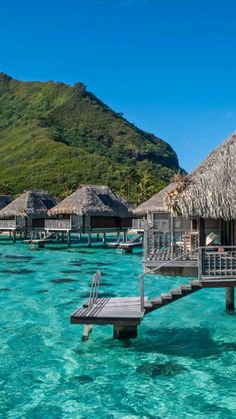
(183, 363)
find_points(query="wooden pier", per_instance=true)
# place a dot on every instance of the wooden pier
(216, 269)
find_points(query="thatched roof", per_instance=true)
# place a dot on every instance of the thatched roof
(30, 203)
(4, 200)
(93, 200)
(210, 190)
(155, 204)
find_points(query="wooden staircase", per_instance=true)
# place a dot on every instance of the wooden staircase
(173, 295)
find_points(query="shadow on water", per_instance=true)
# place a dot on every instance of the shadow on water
(194, 343)
(86, 295)
(17, 271)
(184, 342)
(63, 280)
(156, 368)
(18, 257)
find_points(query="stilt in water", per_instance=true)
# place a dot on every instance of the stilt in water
(104, 238)
(89, 240)
(14, 236)
(68, 239)
(123, 332)
(230, 299)
(62, 237)
(87, 332)
(98, 238)
(125, 236)
(118, 237)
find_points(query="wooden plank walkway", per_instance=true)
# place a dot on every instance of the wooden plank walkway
(124, 311)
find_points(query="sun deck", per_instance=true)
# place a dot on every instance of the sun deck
(125, 311)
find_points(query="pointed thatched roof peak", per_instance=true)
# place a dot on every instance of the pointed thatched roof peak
(210, 190)
(29, 203)
(93, 200)
(155, 204)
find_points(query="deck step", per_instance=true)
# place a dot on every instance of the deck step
(166, 296)
(175, 294)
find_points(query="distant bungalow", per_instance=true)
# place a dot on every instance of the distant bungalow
(26, 213)
(90, 208)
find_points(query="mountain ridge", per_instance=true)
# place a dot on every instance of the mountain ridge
(56, 136)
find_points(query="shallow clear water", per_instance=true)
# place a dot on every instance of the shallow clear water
(183, 363)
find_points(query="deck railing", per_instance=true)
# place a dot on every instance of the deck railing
(64, 224)
(139, 224)
(217, 263)
(7, 224)
(169, 245)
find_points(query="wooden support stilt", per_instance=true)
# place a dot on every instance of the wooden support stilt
(230, 299)
(62, 237)
(123, 332)
(98, 238)
(89, 240)
(87, 332)
(104, 238)
(68, 239)
(14, 236)
(125, 236)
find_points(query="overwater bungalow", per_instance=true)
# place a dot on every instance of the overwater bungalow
(26, 213)
(208, 194)
(167, 237)
(90, 209)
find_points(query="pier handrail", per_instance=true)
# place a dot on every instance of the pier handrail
(94, 289)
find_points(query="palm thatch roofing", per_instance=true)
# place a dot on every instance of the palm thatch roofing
(29, 204)
(155, 204)
(210, 190)
(93, 200)
(4, 200)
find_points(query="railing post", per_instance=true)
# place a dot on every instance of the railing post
(142, 293)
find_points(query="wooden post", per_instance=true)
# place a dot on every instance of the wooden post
(89, 240)
(200, 262)
(104, 238)
(87, 332)
(62, 237)
(68, 239)
(142, 293)
(14, 236)
(123, 332)
(98, 237)
(230, 299)
(201, 232)
(118, 237)
(125, 236)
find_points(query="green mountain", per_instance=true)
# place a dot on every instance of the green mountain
(55, 136)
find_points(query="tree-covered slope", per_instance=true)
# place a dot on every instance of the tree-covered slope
(55, 136)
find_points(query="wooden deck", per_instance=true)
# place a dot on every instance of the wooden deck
(125, 311)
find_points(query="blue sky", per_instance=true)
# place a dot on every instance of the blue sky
(168, 65)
